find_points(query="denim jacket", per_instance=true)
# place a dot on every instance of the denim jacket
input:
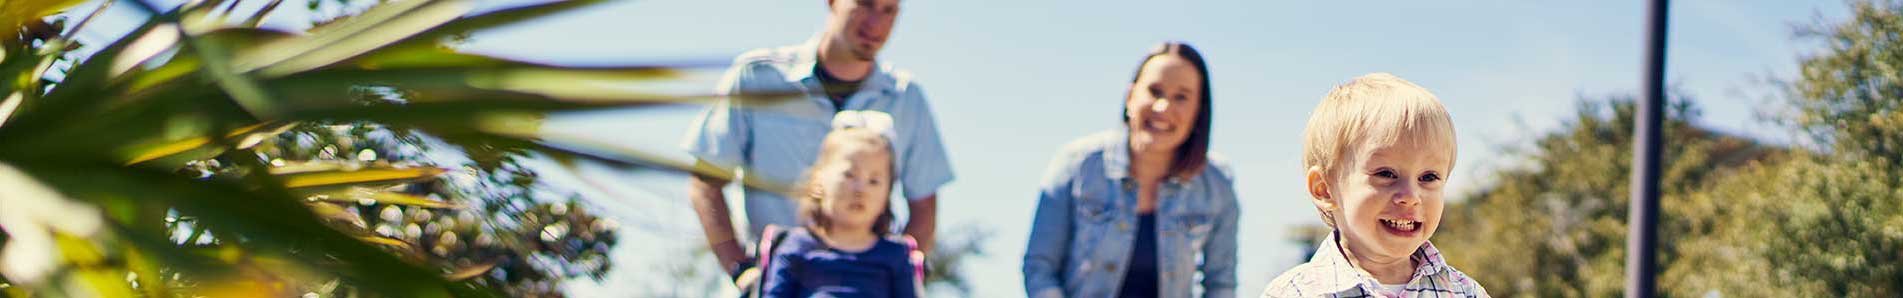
(1083, 232)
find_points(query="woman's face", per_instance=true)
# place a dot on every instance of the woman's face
(1162, 104)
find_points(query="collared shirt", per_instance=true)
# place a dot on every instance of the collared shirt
(774, 142)
(1328, 274)
(1083, 234)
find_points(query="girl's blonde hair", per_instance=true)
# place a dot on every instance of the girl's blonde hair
(1372, 111)
(829, 150)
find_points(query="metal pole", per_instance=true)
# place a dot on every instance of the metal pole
(1642, 238)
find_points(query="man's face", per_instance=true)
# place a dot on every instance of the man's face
(862, 26)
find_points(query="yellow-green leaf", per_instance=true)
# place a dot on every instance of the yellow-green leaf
(252, 134)
(358, 194)
(467, 273)
(362, 176)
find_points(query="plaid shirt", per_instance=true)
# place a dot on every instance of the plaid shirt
(1328, 274)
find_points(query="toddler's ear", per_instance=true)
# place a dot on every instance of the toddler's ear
(1318, 189)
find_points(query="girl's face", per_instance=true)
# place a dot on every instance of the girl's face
(1162, 104)
(853, 187)
(1390, 199)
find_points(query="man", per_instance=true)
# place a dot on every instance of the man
(773, 143)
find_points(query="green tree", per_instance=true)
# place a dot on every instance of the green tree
(1555, 227)
(1837, 211)
(1738, 218)
(1850, 94)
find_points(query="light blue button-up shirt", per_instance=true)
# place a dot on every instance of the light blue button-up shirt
(774, 142)
(1084, 230)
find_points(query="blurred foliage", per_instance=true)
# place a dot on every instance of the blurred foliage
(1738, 218)
(201, 156)
(1850, 93)
(482, 214)
(1561, 218)
(954, 249)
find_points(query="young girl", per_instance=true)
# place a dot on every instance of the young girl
(843, 249)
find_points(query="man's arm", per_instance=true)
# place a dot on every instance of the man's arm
(923, 223)
(715, 220)
(719, 136)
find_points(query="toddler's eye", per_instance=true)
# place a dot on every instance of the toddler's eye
(1386, 174)
(1430, 177)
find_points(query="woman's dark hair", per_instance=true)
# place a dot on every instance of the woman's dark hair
(1193, 154)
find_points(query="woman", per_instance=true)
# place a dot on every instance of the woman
(1127, 212)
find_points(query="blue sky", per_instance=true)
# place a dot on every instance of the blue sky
(1011, 81)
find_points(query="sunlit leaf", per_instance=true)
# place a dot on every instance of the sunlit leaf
(375, 28)
(498, 18)
(356, 177)
(9, 105)
(81, 89)
(244, 90)
(16, 12)
(100, 282)
(144, 47)
(243, 137)
(474, 271)
(258, 18)
(360, 195)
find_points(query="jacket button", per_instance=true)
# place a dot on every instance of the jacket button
(1123, 226)
(1111, 268)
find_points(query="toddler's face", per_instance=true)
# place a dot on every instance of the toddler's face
(1389, 200)
(854, 187)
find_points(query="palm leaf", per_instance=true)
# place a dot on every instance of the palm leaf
(369, 176)
(377, 27)
(473, 271)
(199, 147)
(16, 12)
(361, 195)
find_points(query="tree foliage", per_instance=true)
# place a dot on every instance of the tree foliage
(1739, 218)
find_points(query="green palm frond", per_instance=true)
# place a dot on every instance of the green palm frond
(119, 126)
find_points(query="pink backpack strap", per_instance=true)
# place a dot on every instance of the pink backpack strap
(917, 258)
(769, 238)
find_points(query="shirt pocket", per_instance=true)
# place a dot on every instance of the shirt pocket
(1093, 212)
(1092, 206)
(784, 144)
(1195, 226)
